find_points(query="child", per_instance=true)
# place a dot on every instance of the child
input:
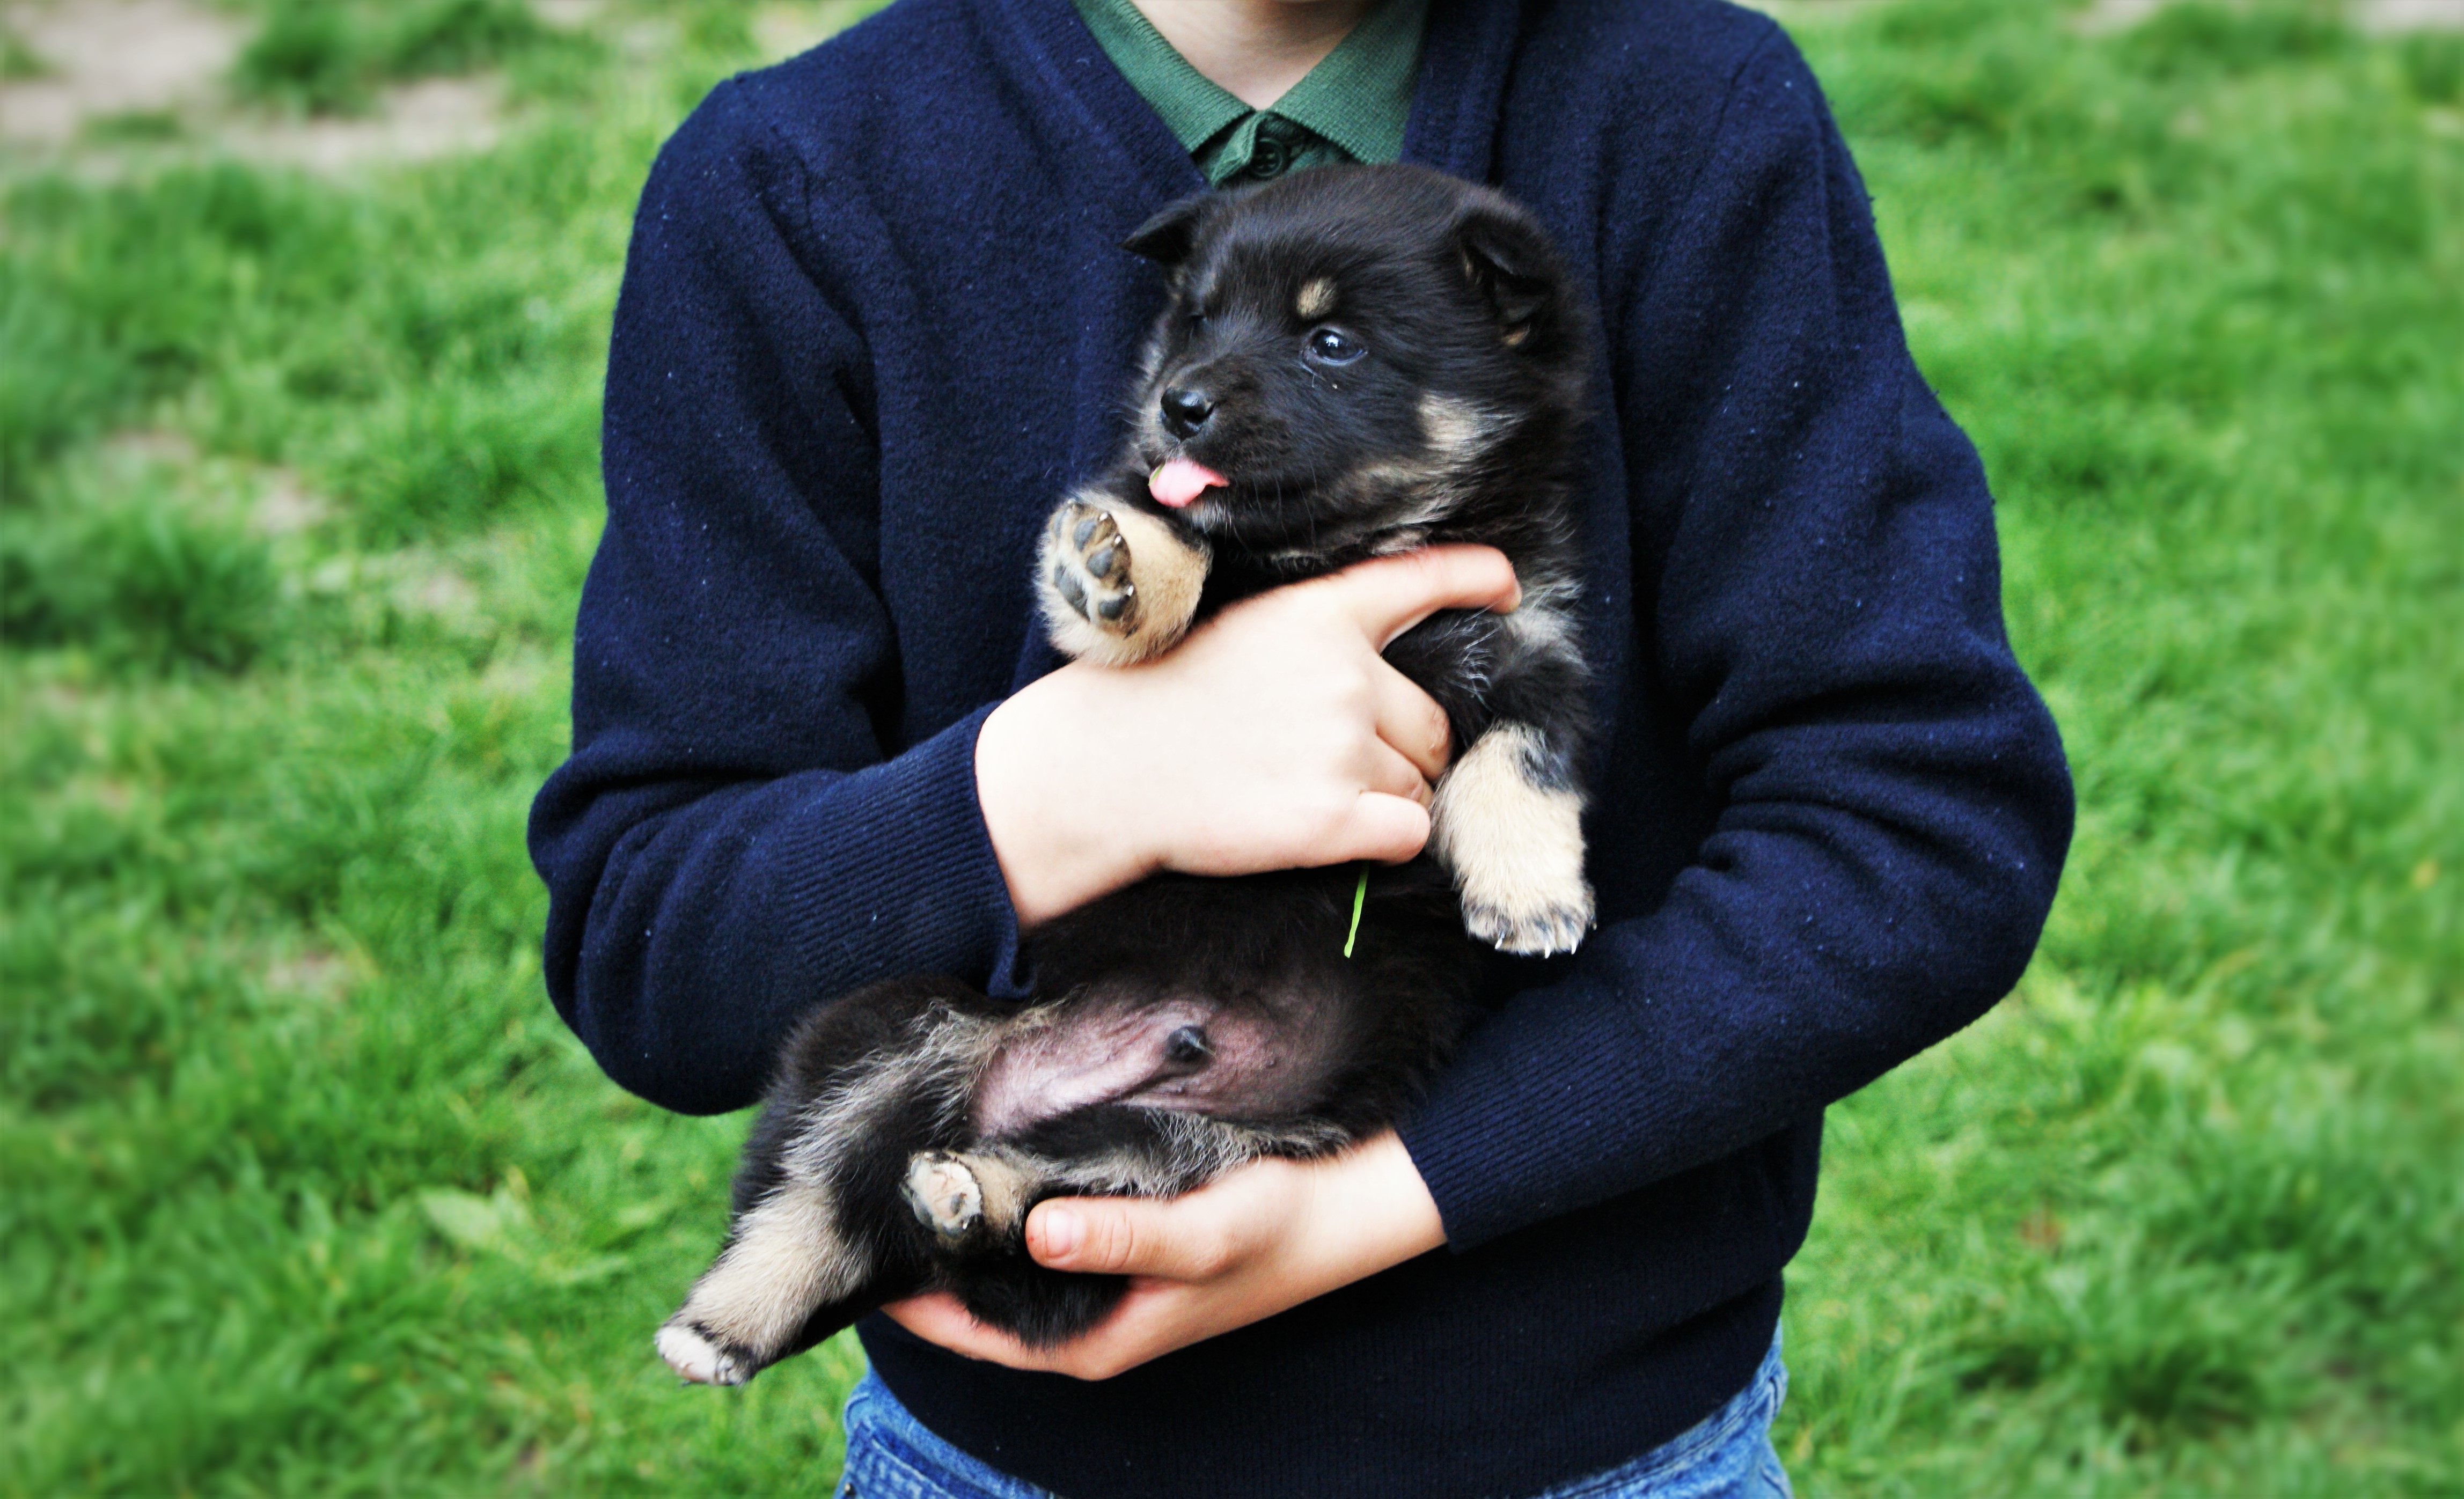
(874, 322)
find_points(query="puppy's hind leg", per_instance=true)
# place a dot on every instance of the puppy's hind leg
(786, 1260)
(866, 1080)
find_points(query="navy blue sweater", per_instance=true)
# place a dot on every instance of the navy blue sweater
(875, 321)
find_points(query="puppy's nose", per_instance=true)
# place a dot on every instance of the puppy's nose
(1185, 410)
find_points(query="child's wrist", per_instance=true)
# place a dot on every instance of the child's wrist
(1057, 847)
(1389, 1215)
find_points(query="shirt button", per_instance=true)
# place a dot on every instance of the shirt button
(1275, 146)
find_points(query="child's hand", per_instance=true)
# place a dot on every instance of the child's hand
(1273, 738)
(1265, 1239)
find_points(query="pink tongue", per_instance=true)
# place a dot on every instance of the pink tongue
(1179, 481)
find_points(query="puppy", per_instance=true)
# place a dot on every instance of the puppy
(1354, 362)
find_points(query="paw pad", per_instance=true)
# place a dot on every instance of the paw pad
(1091, 567)
(945, 1194)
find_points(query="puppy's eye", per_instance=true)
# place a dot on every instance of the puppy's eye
(1328, 347)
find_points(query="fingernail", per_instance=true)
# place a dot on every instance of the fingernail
(1061, 1231)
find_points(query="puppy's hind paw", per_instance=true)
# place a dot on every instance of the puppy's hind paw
(696, 1357)
(945, 1194)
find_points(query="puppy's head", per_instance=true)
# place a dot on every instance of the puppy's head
(1355, 351)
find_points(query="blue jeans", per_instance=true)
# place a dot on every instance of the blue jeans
(1728, 1455)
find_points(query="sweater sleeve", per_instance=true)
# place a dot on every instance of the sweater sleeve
(1814, 550)
(735, 834)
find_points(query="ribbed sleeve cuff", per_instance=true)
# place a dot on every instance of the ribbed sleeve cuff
(1500, 1142)
(891, 871)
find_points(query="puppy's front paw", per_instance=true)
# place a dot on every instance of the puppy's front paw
(1088, 564)
(1117, 585)
(1516, 846)
(1529, 921)
(945, 1194)
(695, 1357)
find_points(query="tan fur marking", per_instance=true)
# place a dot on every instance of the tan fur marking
(1541, 621)
(1316, 299)
(1515, 848)
(1167, 572)
(1455, 430)
(1008, 1185)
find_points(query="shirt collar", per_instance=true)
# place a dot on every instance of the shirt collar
(1192, 105)
(1360, 95)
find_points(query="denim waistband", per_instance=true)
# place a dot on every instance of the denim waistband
(891, 1455)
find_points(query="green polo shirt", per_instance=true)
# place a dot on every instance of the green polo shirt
(1351, 107)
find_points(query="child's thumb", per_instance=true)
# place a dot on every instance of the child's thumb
(1126, 1236)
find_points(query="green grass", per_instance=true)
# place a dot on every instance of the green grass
(304, 1189)
(331, 55)
(17, 61)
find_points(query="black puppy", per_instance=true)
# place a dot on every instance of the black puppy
(1355, 361)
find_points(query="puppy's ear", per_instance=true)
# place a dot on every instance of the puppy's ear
(1166, 239)
(1509, 263)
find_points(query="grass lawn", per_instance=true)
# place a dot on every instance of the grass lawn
(304, 1188)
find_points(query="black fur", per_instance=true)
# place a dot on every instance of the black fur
(1186, 1024)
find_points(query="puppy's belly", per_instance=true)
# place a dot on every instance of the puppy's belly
(1250, 1062)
